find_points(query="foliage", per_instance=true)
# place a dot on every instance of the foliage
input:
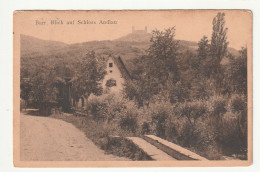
(218, 106)
(239, 107)
(129, 122)
(204, 47)
(159, 68)
(139, 91)
(42, 82)
(192, 111)
(204, 58)
(163, 52)
(97, 109)
(197, 99)
(42, 92)
(26, 88)
(218, 46)
(237, 73)
(88, 76)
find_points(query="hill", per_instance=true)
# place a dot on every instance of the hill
(31, 46)
(136, 37)
(131, 46)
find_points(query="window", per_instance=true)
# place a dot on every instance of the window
(111, 83)
(110, 64)
(110, 71)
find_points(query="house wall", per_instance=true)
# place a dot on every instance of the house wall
(115, 74)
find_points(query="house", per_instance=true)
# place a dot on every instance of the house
(116, 75)
(113, 82)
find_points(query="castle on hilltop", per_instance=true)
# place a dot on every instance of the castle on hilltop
(139, 31)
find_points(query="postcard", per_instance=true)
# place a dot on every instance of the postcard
(132, 88)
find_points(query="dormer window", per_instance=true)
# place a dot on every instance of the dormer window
(110, 64)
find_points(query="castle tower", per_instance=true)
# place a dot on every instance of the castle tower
(133, 29)
(145, 29)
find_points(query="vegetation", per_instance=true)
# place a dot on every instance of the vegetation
(43, 81)
(199, 90)
(196, 98)
(100, 133)
(85, 83)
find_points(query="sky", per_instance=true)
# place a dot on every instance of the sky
(190, 25)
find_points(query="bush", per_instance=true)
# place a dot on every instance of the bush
(117, 113)
(218, 106)
(160, 120)
(145, 128)
(159, 112)
(239, 107)
(192, 110)
(233, 142)
(185, 125)
(211, 127)
(129, 122)
(123, 147)
(97, 108)
(227, 124)
(238, 103)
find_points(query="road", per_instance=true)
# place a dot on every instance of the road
(48, 139)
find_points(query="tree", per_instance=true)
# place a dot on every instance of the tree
(204, 58)
(204, 47)
(140, 90)
(43, 89)
(192, 112)
(237, 73)
(219, 43)
(159, 68)
(26, 88)
(163, 52)
(88, 76)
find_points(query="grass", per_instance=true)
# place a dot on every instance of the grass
(200, 126)
(100, 134)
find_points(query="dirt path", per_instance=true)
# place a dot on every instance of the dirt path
(48, 139)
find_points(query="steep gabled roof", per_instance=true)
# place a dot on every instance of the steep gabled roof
(121, 66)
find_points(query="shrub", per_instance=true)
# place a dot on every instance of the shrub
(159, 119)
(218, 105)
(123, 147)
(238, 103)
(97, 108)
(157, 115)
(105, 107)
(118, 114)
(129, 122)
(233, 141)
(239, 107)
(192, 110)
(145, 128)
(204, 126)
(227, 124)
(185, 126)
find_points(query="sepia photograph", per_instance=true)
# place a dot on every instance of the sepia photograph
(132, 88)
